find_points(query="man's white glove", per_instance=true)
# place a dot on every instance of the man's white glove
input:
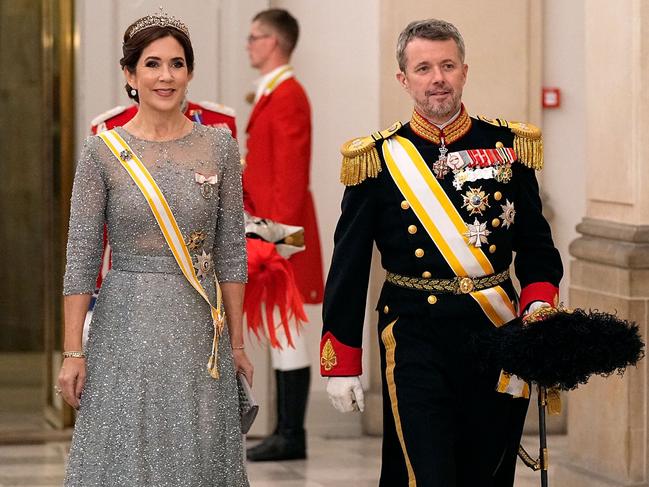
(346, 393)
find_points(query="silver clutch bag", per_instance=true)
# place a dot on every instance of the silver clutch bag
(248, 407)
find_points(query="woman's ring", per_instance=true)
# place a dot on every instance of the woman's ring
(57, 390)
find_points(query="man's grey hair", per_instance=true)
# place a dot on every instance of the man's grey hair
(431, 29)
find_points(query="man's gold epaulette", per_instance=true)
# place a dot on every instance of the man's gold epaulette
(361, 157)
(528, 141)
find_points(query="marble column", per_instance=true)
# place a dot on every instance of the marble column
(607, 420)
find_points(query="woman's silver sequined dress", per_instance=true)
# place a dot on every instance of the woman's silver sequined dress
(150, 413)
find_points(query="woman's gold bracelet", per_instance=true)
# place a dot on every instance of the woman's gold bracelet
(74, 354)
(240, 347)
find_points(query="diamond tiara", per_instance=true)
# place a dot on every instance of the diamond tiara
(158, 20)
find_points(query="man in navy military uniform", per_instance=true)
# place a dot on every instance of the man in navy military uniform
(448, 199)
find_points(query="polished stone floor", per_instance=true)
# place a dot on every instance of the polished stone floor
(332, 462)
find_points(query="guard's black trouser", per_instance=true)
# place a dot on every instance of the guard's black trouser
(443, 423)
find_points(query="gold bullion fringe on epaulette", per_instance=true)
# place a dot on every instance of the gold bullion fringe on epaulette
(528, 144)
(360, 161)
(361, 157)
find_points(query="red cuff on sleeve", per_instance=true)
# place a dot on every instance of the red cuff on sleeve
(539, 291)
(338, 359)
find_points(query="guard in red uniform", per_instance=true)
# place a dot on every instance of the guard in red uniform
(276, 179)
(450, 201)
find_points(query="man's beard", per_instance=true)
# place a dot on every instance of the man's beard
(441, 111)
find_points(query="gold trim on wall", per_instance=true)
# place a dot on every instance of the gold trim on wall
(58, 34)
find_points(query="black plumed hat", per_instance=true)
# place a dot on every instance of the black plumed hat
(561, 348)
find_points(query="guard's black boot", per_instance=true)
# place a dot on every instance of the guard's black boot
(288, 441)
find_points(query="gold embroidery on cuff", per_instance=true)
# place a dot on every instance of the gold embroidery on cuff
(328, 358)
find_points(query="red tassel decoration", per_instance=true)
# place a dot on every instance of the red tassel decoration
(271, 284)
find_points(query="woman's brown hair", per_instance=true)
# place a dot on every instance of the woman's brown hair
(134, 45)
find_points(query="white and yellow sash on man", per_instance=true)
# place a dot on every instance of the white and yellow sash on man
(167, 222)
(446, 228)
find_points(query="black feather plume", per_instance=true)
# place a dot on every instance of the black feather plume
(562, 350)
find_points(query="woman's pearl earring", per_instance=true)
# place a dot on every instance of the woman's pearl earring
(133, 92)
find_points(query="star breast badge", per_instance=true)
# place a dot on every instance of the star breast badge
(475, 201)
(508, 214)
(203, 265)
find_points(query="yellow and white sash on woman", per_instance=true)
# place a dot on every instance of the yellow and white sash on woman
(167, 222)
(446, 228)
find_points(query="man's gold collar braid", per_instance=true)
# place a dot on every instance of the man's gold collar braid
(452, 132)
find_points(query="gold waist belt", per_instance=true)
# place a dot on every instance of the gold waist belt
(456, 285)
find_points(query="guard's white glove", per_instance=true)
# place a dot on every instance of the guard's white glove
(534, 305)
(346, 393)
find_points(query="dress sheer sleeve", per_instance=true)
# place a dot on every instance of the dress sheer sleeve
(87, 216)
(231, 262)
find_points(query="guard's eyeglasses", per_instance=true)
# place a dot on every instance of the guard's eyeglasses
(252, 38)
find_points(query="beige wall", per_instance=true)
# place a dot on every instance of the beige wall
(618, 44)
(563, 178)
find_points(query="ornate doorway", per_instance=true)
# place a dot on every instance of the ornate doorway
(36, 103)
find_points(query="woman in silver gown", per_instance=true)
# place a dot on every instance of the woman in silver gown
(150, 414)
